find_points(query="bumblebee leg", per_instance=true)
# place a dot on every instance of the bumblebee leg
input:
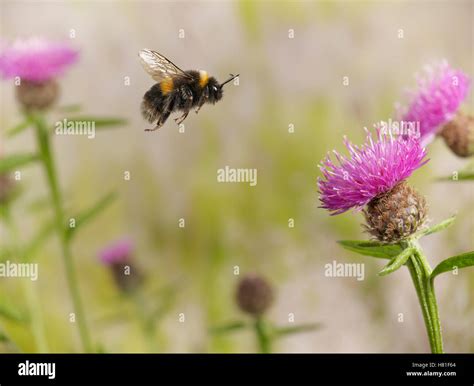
(202, 100)
(180, 119)
(155, 128)
(161, 121)
(161, 113)
(185, 103)
(199, 107)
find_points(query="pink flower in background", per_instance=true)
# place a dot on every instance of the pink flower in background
(372, 169)
(118, 258)
(35, 59)
(117, 253)
(435, 102)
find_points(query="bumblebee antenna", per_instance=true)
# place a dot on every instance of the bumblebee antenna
(232, 77)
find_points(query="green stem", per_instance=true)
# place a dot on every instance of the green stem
(263, 338)
(432, 302)
(420, 272)
(417, 277)
(43, 139)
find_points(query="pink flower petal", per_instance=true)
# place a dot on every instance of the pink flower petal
(35, 59)
(440, 92)
(118, 252)
(372, 169)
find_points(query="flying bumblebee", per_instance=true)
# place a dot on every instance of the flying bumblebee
(176, 90)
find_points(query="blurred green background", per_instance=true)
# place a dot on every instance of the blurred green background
(284, 81)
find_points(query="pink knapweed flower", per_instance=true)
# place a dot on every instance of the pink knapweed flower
(117, 253)
(118, 258)
(371, 170)
(35, 59)
(441, 89)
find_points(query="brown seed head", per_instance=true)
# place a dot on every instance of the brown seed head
(395, 215)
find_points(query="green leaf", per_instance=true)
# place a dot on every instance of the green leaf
(14, 161)
(466, 176)
(372, 248)
(99, 123)
(86, 216)
(438, 227)
(397, 261)
(459, 261)
(282, 331)
(230, 327)
(19, 128)
(461, 176)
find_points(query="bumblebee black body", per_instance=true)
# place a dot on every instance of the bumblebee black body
(175, 90)
(179, 94)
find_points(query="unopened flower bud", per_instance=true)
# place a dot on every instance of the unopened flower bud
(458, 135)
(254, 295)
(126, 276)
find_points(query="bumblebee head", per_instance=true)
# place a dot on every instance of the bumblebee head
(215, 88)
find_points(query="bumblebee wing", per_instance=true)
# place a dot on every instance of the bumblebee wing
(158, 66)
